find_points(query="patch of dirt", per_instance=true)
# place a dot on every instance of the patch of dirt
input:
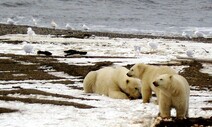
(31, 67)
(202, 81)
(45, 101)
(42, 101)
(38, 92)
(207, 108)
(191, 122)
(14, 69)
(66, 82)
(7, 110)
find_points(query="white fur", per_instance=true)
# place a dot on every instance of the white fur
(112, 82)
(174, 92)
(147, 74)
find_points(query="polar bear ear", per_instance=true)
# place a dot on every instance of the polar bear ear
(127, 81)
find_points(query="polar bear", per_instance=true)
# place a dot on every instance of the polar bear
(174, 92)
(112, 82)
(147, 74)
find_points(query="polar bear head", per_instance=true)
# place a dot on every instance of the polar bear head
(132, 87)
(163, 81)
(137, 70)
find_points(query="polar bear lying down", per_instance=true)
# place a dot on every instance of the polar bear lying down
(112, 82)
(174, 92)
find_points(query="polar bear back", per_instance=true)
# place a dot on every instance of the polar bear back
(112, 82)
(104, 80)
(181, 84)
(108, 76)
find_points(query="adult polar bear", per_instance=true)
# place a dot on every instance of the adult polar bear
(112, 82)
(174, 92)
(147, 74)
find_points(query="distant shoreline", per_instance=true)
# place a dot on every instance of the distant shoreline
(22, 29)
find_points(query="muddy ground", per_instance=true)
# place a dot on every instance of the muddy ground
(12, 68)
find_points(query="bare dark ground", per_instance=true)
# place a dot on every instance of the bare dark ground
(14, 68)
(7, 110)
(191, 122)
(37, 71)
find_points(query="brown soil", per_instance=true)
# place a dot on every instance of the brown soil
(191, 122)
(42, 101)
(7, 110)
(37, 92)
(37, 70)
(196, 78)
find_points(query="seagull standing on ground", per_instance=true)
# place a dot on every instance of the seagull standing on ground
(185, 35)
(68, 27)
(137, 50)
(190, 53)
(209, 34)
(34, 21)
(153, 45)
(198, 33)
(28, 48)
(30, 33)
(85, 27)
(10, 21)
(53, 24)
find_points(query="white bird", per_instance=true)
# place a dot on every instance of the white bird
(153, 45)
(34, 21)
(92, 36)
(137, 50)
(185, 35)
(198, 33)
(209, 35)
(10, 21)
(30, 33)
(28, 48)
(190, 53)
(68, 27)
(53, 24)
(85, 27)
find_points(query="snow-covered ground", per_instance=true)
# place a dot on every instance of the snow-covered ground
(109, 112)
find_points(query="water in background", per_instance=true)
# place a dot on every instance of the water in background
(125, 16)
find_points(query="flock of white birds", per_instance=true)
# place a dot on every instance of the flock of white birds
(187, 34)
(28, 48)
(53, 24)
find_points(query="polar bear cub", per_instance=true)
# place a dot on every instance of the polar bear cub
(147, 74)
(174, 92)
(112, 82)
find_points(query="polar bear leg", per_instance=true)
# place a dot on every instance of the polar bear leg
(181, 112)
(187, 115)
(117, 95)
(146, 94)
(165, 107)
(157, 95)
